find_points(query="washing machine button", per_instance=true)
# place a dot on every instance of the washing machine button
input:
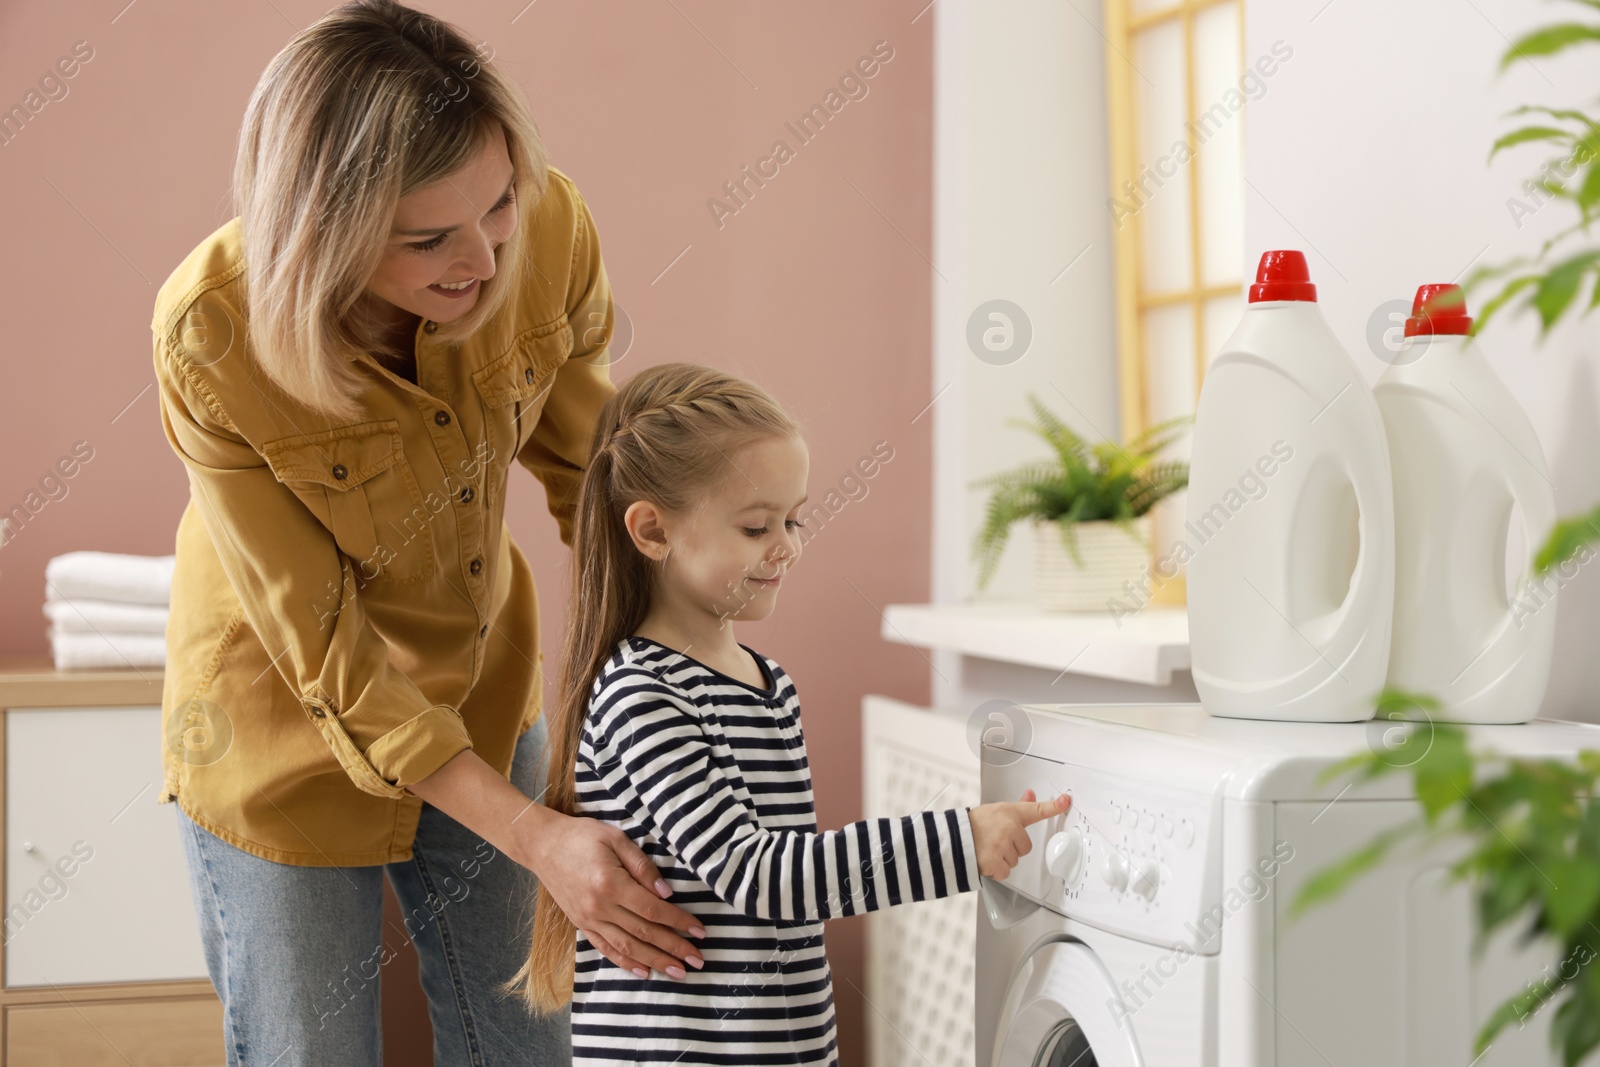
(1147, 880)
(1115, 870)
(1186, 831)
(1149, 820)
(1116, 812)
(1063, 855)
(1166, 826)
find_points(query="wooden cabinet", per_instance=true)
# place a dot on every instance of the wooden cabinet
(101, 960)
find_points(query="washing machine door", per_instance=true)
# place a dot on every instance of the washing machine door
(1058, 1013)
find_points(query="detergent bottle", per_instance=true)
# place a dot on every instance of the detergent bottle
(1463, 453)
(1290, 517)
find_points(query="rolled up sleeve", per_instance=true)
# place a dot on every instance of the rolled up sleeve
(298, 592)
(557, 452)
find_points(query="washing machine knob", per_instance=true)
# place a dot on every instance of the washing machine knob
(1063, 855)
(1148, 880)
(1115, 870)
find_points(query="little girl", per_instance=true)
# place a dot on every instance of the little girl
(690, 742)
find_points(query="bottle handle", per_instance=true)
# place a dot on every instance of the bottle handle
(1362, 573)
(1527, 485)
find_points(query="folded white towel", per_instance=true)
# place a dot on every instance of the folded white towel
(95, 616)
(113, 651)
(110, 576)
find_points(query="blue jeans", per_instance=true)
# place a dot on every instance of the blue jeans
(295, 953)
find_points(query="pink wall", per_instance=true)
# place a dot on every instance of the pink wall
(817, 288)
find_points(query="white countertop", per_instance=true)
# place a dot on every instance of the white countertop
(1144, 647)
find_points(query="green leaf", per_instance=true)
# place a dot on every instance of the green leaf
(1588, 194)
(1495, 303)
(1557, 288)
(1480, 274)
(1548, 40)
(1330, 881)
(1514, 1010)
(1153, 441)
(1565, 113)
(1576, 1029)
(1529, 133)
(1566, 539)
(1504, 893)
(1571, 888)
(1444, 773)
(1581, 226)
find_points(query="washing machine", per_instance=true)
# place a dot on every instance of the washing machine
(1148, 925)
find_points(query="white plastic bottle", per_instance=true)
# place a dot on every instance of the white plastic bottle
(1290, 517)
(1463, 453)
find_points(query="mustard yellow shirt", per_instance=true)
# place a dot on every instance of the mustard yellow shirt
(349, 610)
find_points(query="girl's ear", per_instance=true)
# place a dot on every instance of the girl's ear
(646, 526)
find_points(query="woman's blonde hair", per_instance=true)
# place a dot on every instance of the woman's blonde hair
(369, 103)
(665, 436)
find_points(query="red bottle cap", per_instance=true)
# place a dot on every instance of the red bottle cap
(1438, 309)
(1282, 275)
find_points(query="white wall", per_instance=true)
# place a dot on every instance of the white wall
(1020, 189)
(1368, 152)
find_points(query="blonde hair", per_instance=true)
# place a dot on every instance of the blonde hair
(369, 103)
(664, 436)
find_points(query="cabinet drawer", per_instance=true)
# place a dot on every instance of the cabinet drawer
(150, 1033)
(95, 883)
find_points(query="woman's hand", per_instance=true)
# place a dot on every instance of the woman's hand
(603, 881)
(613, 894)
(1000, 830)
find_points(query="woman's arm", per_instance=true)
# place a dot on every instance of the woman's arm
(387, 735)
(601, 879)
(653, 757)
(557, 452)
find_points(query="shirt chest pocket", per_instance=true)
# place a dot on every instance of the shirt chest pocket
(515, 387)
(357, 481)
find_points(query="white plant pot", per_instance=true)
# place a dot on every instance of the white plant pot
(1110, 559)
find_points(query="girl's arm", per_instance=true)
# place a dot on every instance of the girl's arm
(653, 758)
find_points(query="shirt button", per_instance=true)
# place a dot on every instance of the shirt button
(476, 566)
(484, 632)
(527, 375)
(317, 710)
(442, 418)
(430, 327)
(467, 494)
(340, 472)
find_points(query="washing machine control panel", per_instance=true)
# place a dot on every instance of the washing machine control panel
(1130, 856)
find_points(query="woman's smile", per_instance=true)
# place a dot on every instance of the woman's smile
(454, 294)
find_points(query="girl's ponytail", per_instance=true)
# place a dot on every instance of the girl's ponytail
(664, 436)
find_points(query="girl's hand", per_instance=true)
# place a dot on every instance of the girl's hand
(612, 892)
(1000, 830)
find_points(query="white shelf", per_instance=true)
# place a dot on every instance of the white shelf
(1145, 647)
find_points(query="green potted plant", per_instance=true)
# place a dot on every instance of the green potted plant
(1089, 508)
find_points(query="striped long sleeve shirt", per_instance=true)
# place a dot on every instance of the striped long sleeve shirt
(709, 776)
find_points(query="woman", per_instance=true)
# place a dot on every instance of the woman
(410, 299)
